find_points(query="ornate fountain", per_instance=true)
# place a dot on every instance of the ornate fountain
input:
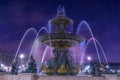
(61, 41)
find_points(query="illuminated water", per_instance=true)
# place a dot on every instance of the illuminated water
(81, 48)
(36, 42)
(21, 41)
(92, 36)
(84, 50)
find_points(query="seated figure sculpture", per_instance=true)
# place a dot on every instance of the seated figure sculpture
(31, 66)
(14, 69)
(96, 68)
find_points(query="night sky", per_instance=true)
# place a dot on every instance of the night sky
(16, 16)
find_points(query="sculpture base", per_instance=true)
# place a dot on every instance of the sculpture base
(29, 76)
(62, 63)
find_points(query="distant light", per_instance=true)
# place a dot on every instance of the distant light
(118, 71)
(89, 58)
(107, 66)
(87, 67)
(19, 67)
(23, 65)
(22, 56)
(2, 65)
(112, 70)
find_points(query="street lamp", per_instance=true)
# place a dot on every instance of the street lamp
(22, 56)
(89, 59)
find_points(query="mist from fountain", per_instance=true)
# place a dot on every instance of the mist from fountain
(74, 55)
(34, 43)
(77, 51)
(21, 41)
(91, 33)
(44, 53)
(84, 50)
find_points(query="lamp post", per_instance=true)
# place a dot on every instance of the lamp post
(22, 56)
(89, 59)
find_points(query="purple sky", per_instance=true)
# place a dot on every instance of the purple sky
(16, 16)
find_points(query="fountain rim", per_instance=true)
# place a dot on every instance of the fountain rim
(72, 39)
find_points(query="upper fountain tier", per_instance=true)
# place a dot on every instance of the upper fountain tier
(61, 38)
(61, 22)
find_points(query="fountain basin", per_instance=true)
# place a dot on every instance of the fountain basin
(59, 40)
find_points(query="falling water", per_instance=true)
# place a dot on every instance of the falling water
(33, 46)
(44, 53)
(93, 39)
(49, 26)
(91, 33)
(102, 51)
(43, 57)
(19, 46)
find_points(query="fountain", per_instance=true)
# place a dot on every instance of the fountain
(63, 45)
(61, 41)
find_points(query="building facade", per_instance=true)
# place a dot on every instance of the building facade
(6, 57)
